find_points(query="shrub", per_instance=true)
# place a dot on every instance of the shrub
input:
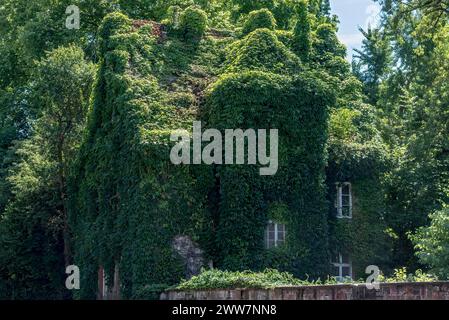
(182, 99)
(217, 279)
(271, 278)
(192, 22)
(173, 14)
(259, 19)
(113, 23)
(401, 275)
(261, 50)
(432, 243)
(150, 292)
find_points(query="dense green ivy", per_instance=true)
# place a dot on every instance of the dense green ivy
(302, 36)
(280, 67)
(128, 201)
(192, 22)
(356, 155)
(262, 18)
(133, 202)
(254, 93)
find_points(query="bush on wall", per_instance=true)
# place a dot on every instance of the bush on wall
(192, 22)
(259, 19)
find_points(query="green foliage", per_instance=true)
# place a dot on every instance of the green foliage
(192, 23)
(325, 8)
(124, 190)
(150, 292)
(261, 50)
(401, 275)
(246, 6)
(34, 236)
(301, 35)
(372, 62)
(31, 252)
(112, 23)
(358, 155)
(327, 41)
(254, 93)
(14, 114)
(285, 69)
(260, 19)
(404, 65)
(431, 243)
(271, 278)
(216, 279)
(342, 125)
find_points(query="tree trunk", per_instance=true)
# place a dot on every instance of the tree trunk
(62, 194)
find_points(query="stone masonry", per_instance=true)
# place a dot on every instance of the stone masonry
(387, 291)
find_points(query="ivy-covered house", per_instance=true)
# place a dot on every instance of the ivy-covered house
(93, 92)
(141, 222)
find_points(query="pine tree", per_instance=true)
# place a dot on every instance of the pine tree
(325, 8)
(372, 62)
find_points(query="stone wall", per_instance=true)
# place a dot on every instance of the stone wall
(190, 253)
(387, 291)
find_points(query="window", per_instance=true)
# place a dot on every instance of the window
(275, 234)
(344, 200)
(342, 267)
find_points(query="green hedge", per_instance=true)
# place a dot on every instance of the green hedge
(260, 19)
(216, 279)
(192, 22)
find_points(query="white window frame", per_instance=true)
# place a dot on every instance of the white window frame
(105, 286)
(340, 265)
(339, 202)
(277, 242)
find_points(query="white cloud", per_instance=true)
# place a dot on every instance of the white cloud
(351, 40)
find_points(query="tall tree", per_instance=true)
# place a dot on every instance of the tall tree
(35, 239)
(411, 102)
(325, 8)
(372, 62)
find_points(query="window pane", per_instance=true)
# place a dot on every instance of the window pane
(345, 258)
(281, 237)
(270, 244)
(281, 233)
(346, 272)
(346, 211)
(271, 227)
(346, 189)
(345, 201)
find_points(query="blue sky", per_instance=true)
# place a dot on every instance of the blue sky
(352, 14)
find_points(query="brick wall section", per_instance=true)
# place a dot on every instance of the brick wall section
(388, 291)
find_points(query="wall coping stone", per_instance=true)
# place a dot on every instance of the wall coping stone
(437, 290)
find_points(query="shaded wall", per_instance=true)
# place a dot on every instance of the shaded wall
(388, 291)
